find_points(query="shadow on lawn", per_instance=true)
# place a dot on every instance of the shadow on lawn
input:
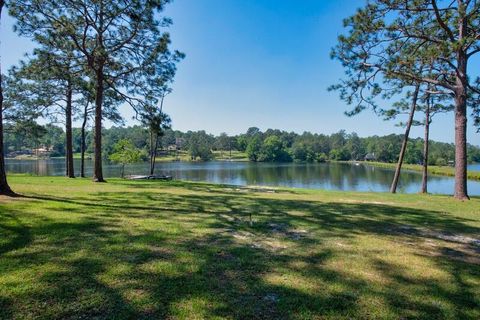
(104, 269)
(336, 217)
(15, 235)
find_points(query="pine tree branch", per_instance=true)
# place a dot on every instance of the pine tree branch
(441, 22)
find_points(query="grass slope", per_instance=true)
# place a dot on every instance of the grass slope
(144, 249)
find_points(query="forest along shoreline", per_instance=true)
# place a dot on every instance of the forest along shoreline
(446, 171)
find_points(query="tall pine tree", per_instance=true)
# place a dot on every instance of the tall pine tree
(388, 39)
(122, 43)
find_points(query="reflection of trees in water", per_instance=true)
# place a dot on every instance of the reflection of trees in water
(378, 176)
(39, 167)
(331, 176)
(338, 176)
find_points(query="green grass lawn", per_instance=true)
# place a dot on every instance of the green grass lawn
(71, 249)
(183, 155)
(78, 156)
(234, 155)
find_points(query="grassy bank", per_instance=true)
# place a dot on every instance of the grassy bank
(144, 249)
(435, 170)
(233, 156)
(217, 156)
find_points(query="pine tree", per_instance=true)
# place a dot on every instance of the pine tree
(121, 42)
(389, 39)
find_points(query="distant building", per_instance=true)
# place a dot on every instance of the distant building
(370, 157)
(18, 153)
(179, 143)
(42, 151)
(38, 152)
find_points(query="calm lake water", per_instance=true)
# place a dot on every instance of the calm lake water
(474, 167)
(331, 176)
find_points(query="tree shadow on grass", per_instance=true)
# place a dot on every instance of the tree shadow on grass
(424, 297)
(217, 265)
(14, 234)
(331, 216)
(224, 279)
(206, 187)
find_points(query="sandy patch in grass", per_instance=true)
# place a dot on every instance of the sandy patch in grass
(436, 243)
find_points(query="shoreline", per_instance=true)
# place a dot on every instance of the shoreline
(237, 187)
(445, 171)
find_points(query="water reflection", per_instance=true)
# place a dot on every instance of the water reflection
(332, 176)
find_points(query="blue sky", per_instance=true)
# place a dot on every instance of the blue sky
(261, 63)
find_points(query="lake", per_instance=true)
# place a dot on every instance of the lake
(330, 176)
(474, 167)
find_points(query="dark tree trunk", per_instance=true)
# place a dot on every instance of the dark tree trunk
(82, 154)
(425, 148)
(97, 171)
(83, 146)
(66, 159)
(99, 62)
(461, 129)
(154, 159)
(398, 169)
(151, 153)
(69, 136)
(4, 187)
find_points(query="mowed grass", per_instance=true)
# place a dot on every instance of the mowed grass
(234, 155)
(72, 249)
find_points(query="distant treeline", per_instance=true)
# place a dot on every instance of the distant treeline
(271, 145)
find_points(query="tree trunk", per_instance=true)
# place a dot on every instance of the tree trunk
(83, 146)
(82, 155)
(152, 170)
(68, 130)
(123, 170)
(97, 171)
(398, 169)
(4, 187)
(153, 157)
(66, 159)
(461, 129)
(99, 62)
(425, 148)
(151, 152)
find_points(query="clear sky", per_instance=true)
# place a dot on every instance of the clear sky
(262, 63)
